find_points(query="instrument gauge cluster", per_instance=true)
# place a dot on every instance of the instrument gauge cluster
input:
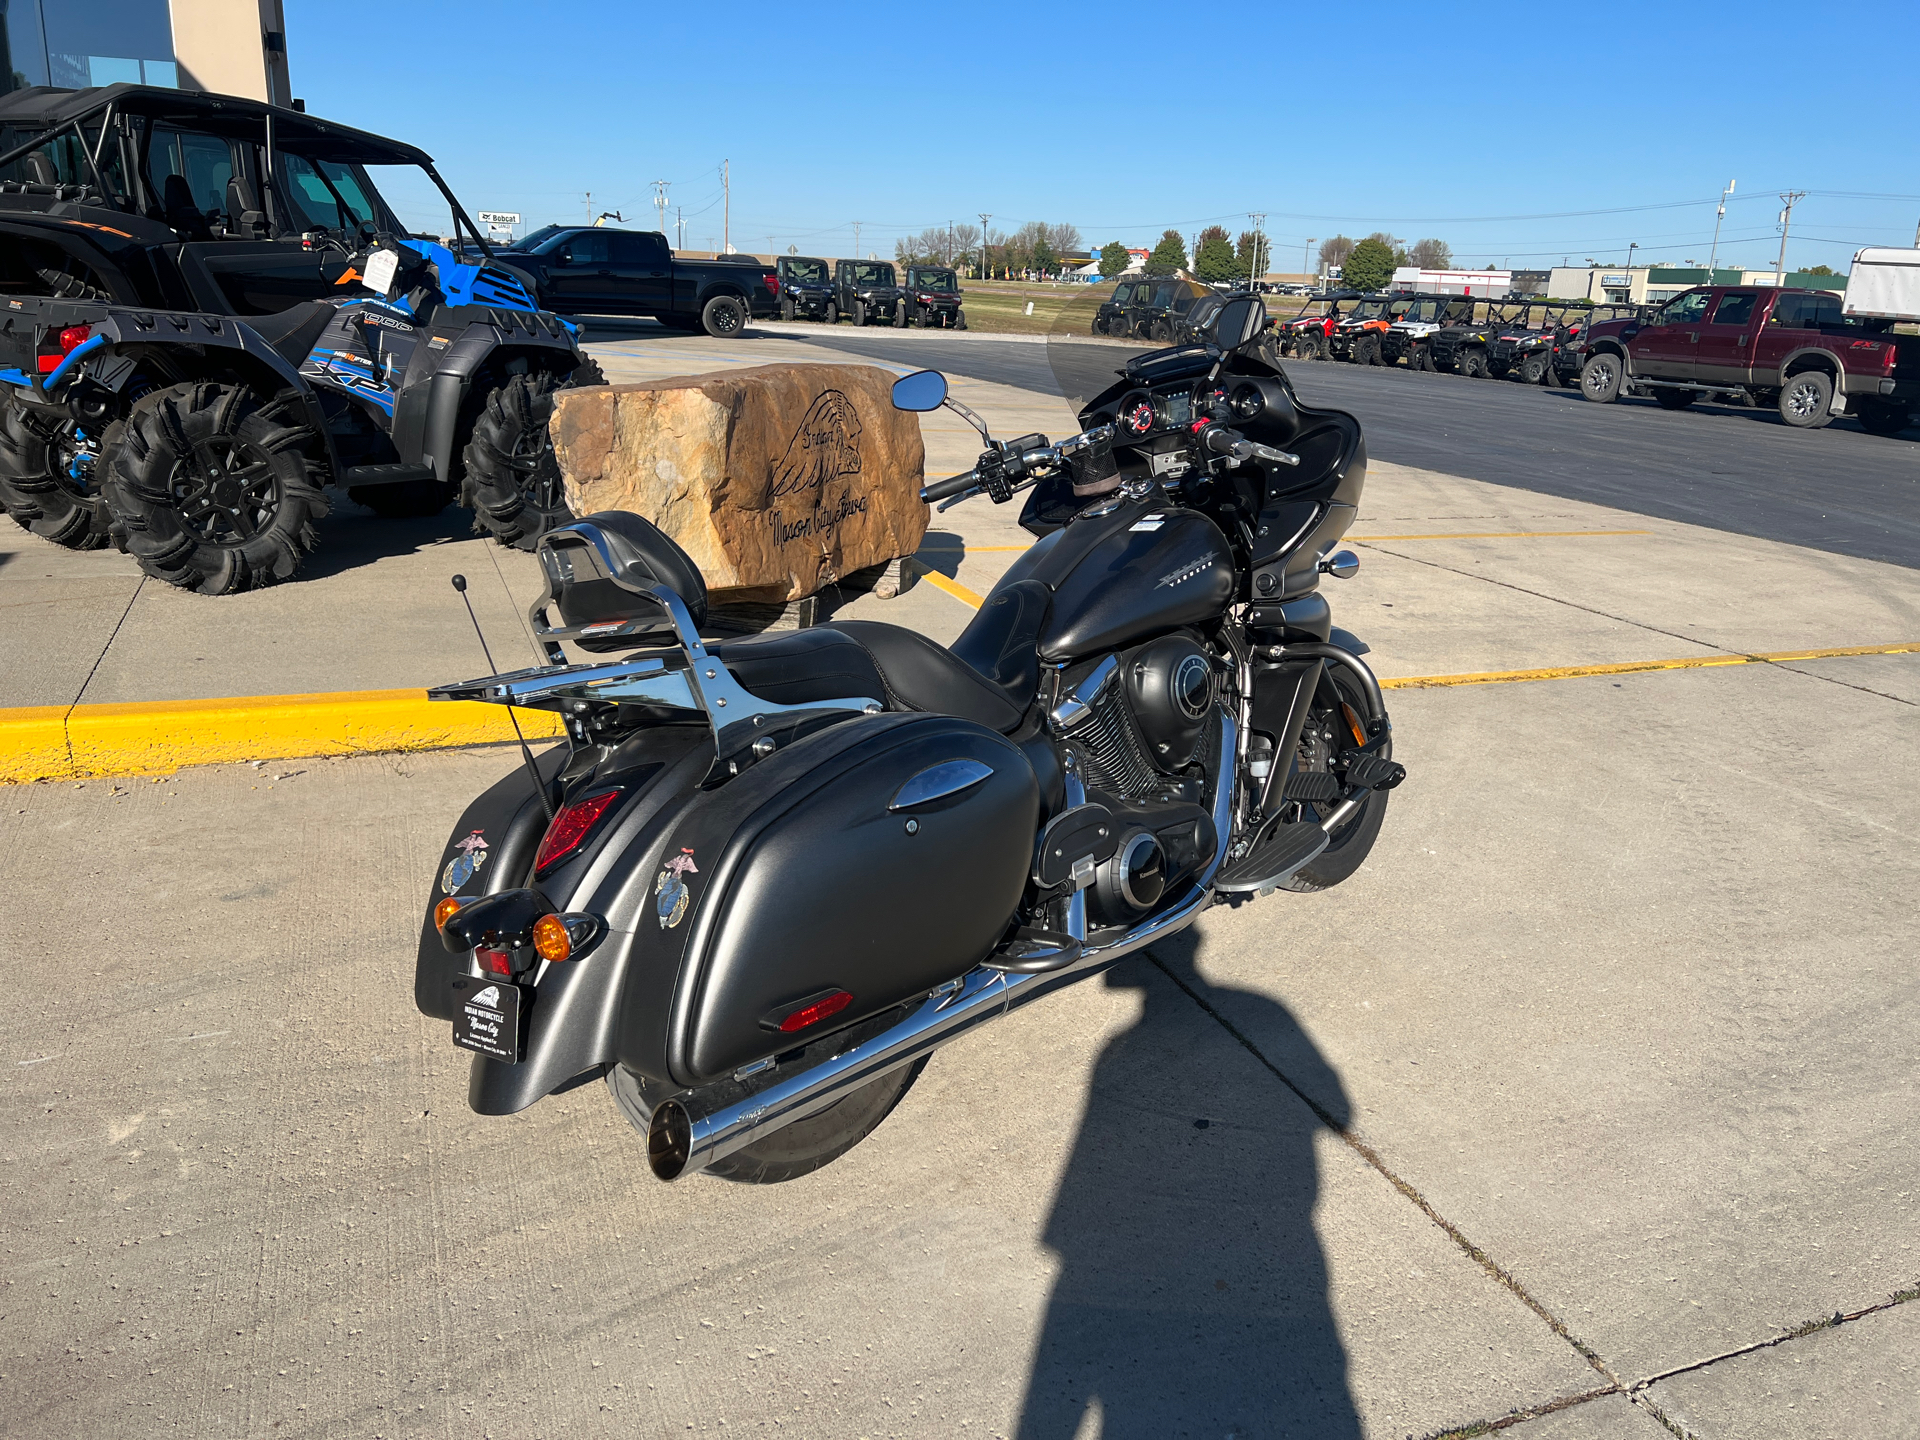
(1138, 417)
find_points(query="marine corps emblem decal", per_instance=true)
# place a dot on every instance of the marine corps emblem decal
(670, 889)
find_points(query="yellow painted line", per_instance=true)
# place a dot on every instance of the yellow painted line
(56, 743)
(1634, 667)
(952, 587)
(1497, 535)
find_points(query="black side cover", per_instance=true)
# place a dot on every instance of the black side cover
(797, 879)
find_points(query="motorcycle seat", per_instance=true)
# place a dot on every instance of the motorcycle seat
(990, 676)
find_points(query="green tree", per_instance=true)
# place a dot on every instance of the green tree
(1169, 255)
(1044, 259)
(1114, 260)
(1370, 265)
(1214, 261)
(1819, 270)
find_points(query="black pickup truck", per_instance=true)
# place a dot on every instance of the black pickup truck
(589, 270)
(866, 291)
(806, 287)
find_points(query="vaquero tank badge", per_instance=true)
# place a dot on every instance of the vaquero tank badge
(670, 886)
(462, 868)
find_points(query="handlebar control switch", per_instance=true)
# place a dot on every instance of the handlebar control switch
(994, 479)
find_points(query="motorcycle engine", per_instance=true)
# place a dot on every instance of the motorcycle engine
(1152, 723)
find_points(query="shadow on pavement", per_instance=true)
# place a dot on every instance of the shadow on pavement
(351, 536)
(1192, 1297)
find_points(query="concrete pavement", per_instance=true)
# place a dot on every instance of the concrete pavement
(1585, 1104)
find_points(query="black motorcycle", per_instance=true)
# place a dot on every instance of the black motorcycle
(764, 880)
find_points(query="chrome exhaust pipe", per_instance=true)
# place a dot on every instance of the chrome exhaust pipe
(682, 1139)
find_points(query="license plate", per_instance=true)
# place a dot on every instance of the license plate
(486, 1017)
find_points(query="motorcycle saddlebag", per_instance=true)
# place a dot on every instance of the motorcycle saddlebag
(871, 860)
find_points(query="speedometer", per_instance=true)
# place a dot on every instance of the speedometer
(1137, 415)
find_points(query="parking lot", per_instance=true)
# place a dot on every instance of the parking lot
(1585, 1108)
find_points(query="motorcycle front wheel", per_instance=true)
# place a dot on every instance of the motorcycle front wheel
(1351, 842)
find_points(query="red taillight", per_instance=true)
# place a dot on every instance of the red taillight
(73, 336)
(773, 284)
(496, 961)
(816, 1011)
(570, 827)
(50, 363)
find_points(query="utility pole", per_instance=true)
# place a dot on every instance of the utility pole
(679, 229)
(1714, 256)
(985, 217)
(726, 209)
(1256, 270)
(856, 239)
(1788, 201)
(589, 207)
(1306, 253)
(660, 202)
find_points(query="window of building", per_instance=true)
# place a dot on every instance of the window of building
(96, 42)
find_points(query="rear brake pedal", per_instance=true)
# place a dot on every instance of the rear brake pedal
(1033, 951)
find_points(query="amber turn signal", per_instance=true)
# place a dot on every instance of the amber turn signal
(447, 909)
(551, 940)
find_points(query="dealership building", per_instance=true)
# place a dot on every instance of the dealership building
(232, 47)
(1657, 284)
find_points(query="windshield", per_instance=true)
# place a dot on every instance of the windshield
(1368, 310)
(873, 274)
(328, 195)
(533, 240)
(1423, 311)
(934, 279)
(812, 271)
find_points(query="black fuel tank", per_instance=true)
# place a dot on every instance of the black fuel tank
(1163, 568)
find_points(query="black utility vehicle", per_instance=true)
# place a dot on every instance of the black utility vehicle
(1523, 349)
(1570, 342)
(1410, 337)
(1462, 347)
(865, 291)
(806, 287)
(211, 315)
(933, 298)
(597, 270)
(1149, 309)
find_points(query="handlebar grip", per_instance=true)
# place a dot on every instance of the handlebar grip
(952, 485)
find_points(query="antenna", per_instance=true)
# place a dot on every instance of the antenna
(526, 753)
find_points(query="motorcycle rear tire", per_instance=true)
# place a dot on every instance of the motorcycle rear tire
(795, 1150)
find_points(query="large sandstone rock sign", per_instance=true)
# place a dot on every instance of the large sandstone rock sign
(777, 480)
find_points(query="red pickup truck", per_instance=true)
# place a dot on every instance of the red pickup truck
(1793, 348)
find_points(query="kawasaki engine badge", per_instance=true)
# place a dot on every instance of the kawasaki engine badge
(463, 866)
(670, 887)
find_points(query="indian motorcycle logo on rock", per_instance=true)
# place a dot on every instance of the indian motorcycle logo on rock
(825, 447)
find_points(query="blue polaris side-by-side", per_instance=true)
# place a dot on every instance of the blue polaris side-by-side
(208, 314)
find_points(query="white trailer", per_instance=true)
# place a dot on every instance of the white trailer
(1884, 284)
(1479, 283)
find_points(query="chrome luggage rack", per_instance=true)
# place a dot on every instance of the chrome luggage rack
(682, 677)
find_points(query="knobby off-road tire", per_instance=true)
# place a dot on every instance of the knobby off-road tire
(1806, 400)
(37, 486)
(216, 488)
(860, 312)
(724, 317)
(1533, 370)
(899, 314)
(1601, 378)
(513, 481)
(1671, 399)
(959, 319)
(786, 310)
(832, 313)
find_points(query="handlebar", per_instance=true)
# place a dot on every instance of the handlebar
(952, 485)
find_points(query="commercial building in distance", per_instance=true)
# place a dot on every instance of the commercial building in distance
(1657, 284)
(231, 47)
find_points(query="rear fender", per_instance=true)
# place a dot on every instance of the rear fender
(431, 415)
(572, 1006)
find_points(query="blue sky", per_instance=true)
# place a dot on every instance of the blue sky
(1505, 130)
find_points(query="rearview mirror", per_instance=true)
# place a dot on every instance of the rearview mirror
(922, 390)
(1239, 320)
